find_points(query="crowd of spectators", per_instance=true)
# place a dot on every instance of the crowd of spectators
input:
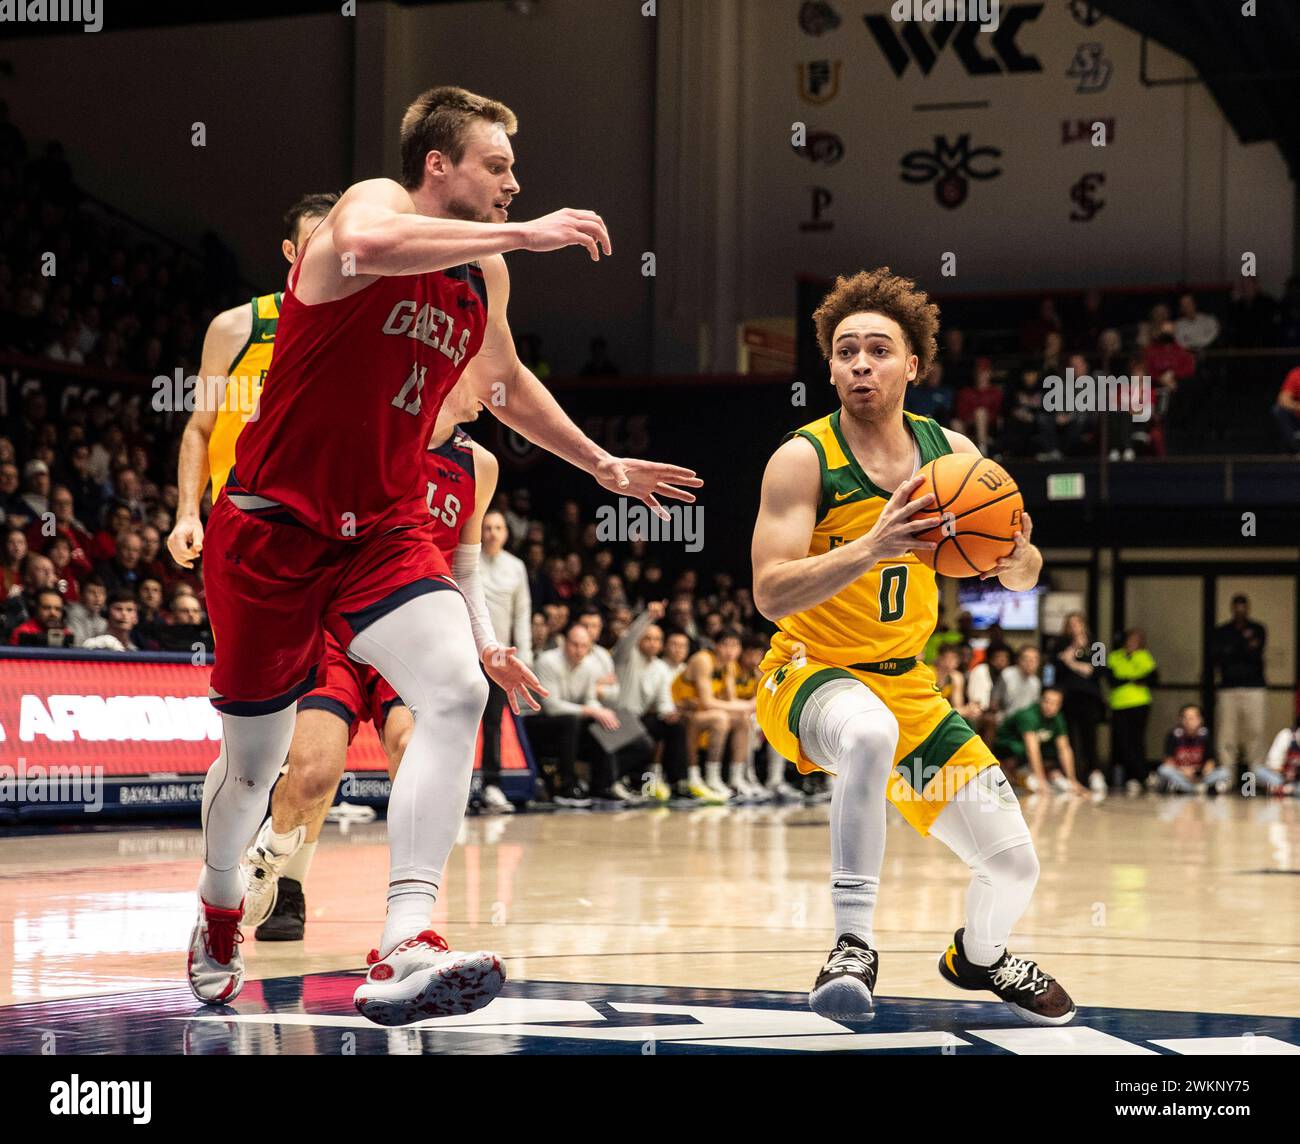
(1039, 709)
(1001, 402)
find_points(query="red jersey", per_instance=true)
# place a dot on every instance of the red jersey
(351, 397)
(450, 489)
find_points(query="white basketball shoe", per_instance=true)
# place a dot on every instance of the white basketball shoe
(424, 978)
(262, 868)
(216, 967)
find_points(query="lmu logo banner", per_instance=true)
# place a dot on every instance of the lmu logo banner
(951, 165)
(914, 42)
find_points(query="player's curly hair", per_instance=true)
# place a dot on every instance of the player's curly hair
(438, 121)
(882, 292)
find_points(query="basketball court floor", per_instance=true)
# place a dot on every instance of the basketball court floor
(1172, 921)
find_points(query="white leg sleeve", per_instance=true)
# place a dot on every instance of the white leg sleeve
(236, 792)
(983, 826)
(425, 650)
(847, 730)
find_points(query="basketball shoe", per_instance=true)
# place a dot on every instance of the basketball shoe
(844, 988)
(423, 978)
(261, 869)
(215, 966)
(288, 921)
(1027, 991)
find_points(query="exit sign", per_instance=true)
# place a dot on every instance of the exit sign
(1065, 486)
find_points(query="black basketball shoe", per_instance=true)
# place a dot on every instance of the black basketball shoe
(844, 988)
(1027, 991)
(289, 918)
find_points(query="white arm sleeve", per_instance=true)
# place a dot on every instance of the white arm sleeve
(464, 570)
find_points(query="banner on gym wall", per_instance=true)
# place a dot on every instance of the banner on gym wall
(121, 714)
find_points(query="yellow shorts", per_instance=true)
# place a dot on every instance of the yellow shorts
(937, 752)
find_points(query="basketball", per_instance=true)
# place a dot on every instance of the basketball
(980, 505)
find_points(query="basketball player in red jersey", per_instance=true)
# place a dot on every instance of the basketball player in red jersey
(462, 479)
(322, 527)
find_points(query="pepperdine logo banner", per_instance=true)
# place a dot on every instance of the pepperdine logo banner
(954, 137)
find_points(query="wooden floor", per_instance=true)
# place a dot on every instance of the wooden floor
(1153, 902)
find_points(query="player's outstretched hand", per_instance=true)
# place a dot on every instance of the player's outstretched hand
(647, 481)
(511, 674)
(186, 541)
(569, 228)
(1024, 563)
(894, 534)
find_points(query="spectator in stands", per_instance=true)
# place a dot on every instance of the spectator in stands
(1078, 678)
(104, 542)
(518, 518)
(45, 626)
(598, 363)
(11, 562)
(13, 509)
(66, 347)
(66, 524)
(607, 683)
(149, 611)
(1237, 649)
(1053, 360)
(1149, 329)
(952, 355)
(1037, 736)
(1072, 427)
(645, 689)
(37, 575)
(86, 617)
(122, 617)
(154, 560)
(505, 590)
(1194, 330)
(1132, 672)
(557, 623)
(1286, 411)
(1165, 358)
(979, 407)
(185, 628)
(559, 730)
(932, 398)
(88, 494)
(540, 632)
(1092, 323)
(948, 678)
(1252, 316)
(59, 551)
(1280, 771)
(1019, 685)
(1033, 334)
(1028, 431)
(1189, 764)
(123, 570)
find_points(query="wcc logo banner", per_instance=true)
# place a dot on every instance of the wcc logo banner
(980, 52)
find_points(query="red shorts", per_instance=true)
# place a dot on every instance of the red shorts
(274, 588)
(355, 692)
